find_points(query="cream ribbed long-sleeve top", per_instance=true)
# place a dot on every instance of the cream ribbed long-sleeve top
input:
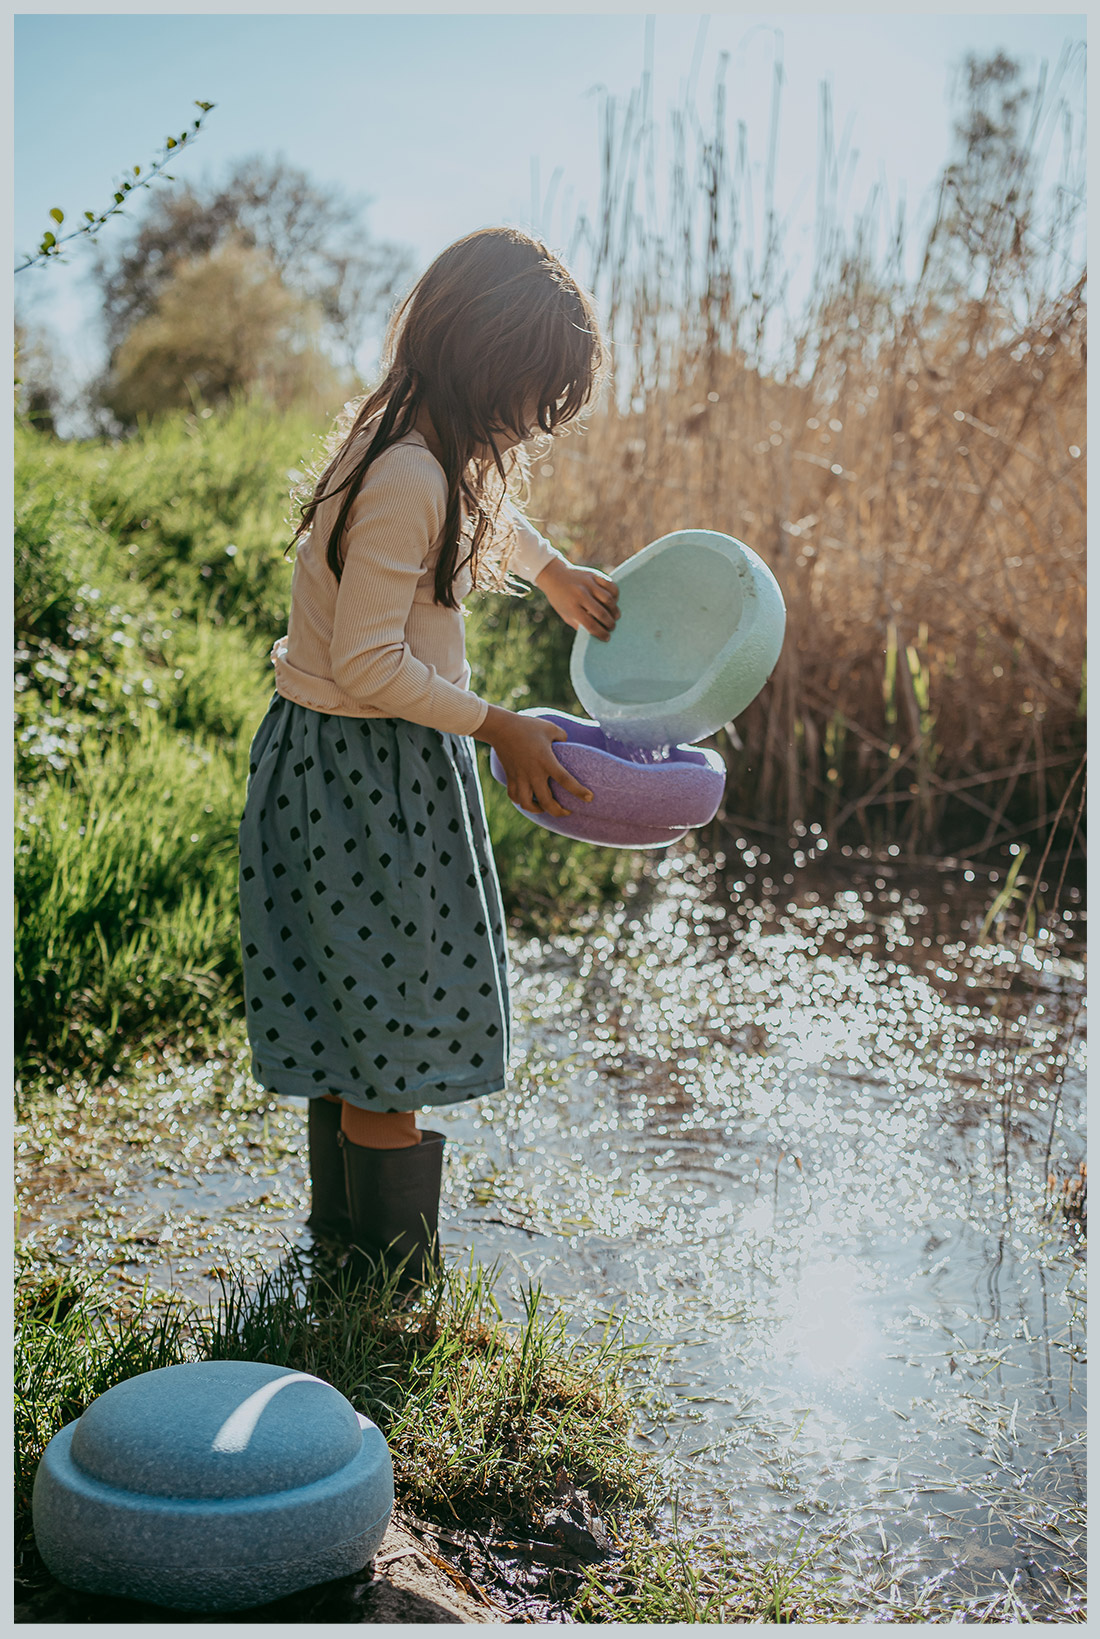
(376, 644)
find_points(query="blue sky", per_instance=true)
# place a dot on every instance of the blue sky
(444, 121)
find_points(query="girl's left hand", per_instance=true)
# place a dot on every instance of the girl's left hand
(582, 597)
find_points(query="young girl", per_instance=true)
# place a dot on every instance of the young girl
(375, 966)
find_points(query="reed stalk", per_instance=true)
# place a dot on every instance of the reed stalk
(905, 452)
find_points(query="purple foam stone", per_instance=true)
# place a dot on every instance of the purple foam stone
(635, 803)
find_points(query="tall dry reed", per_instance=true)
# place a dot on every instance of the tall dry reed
(906, 454)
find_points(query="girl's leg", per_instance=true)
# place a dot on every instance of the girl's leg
(379, 1129)
(329, 1213)
(393, 1175)
(367, 1129)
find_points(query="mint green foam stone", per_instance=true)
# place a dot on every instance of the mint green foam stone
(701, 624)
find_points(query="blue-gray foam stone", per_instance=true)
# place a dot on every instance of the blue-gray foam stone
(213, 1486)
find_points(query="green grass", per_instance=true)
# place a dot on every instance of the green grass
(480, 1416)
(72, 1343)
(125, 878)
(150, 583)
(196, 508)
(703, 1581)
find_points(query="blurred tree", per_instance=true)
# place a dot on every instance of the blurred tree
(999, 236)
(221, 323)
(313, 235)
(39, 398)
(990, 180)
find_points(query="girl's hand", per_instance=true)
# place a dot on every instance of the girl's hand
(582, 597)
(523, 745)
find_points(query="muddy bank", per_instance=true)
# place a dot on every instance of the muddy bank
(406, 1582)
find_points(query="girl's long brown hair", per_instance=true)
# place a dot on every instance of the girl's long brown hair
(495, 326)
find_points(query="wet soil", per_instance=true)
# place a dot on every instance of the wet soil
(406, 1582)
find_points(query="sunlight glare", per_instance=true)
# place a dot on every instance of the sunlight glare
(824, 1327)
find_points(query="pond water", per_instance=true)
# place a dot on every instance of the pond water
(795, 1128)
(800, 1137)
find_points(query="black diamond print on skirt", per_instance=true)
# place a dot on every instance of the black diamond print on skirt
(342, 778)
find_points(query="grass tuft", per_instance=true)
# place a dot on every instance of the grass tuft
(481, 1417)
(125, 874)
(677, 1580)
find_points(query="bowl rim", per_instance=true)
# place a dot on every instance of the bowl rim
(738, 553)
(699, 758)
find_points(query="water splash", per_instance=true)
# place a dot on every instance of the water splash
(632, 753)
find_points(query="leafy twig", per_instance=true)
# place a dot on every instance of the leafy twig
(50, 246)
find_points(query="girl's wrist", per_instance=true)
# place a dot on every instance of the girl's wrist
(551, 568)
(496, 722)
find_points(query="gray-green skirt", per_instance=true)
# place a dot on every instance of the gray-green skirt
(372, 933)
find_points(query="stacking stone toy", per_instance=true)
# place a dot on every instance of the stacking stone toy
(635, 803)
(212, 1486)
(701, 625)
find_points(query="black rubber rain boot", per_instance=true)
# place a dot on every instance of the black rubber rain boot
(393, 1197)
(329, 1214)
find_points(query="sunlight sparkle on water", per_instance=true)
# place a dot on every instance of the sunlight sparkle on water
(824, 1328)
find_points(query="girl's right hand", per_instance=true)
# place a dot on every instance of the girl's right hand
(524, 746)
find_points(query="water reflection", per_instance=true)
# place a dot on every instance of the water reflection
(825, 1331)
(800, 1141)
